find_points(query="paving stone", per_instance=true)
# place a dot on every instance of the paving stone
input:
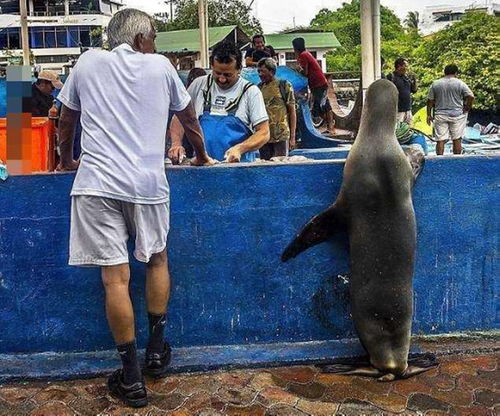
(371, 386)
(196, 384)
(284, 410)
(317, 408)
(276, 395)
(15, 395)
(163, 386)
(209, 412)
(483, 362)
(262, 380)
(436, 413)
(236, 379)
(457, 397)
(90, 407)
(328, 379)
(19, 409)
(474, 411)
(482, 380)
(179, 413)
(53, 409)
(197, 401)
(358, 407)
(486, 397)
(391, 403)
(443, 382)
(236, 395)
(423, 402)
(253, 410)
(338, 393)
(295, 374)
(167, 402)
(309, 391)
(55, 393)
(411, 385)
(454, 368)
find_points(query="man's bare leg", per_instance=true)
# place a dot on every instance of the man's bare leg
(157, 283)
(157, 296)
(457, 146)
(440, 147)
(330, 122)
(120, 316)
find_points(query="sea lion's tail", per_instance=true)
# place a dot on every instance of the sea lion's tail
(317, 230)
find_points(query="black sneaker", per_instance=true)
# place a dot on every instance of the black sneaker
(133, 395)
(156, 363)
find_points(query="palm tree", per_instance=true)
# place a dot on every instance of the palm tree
(412, 20)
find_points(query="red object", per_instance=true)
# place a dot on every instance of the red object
(315, 75)
(40, 143)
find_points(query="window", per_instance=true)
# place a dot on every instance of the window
(50, 37)
(36, 37)
(85, 36)
(14, 38)
(74, 37)
(61, 36)
(3, 39)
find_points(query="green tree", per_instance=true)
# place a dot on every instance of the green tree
(473, 44)
(412, 20)
(220, 13)
(345, 22)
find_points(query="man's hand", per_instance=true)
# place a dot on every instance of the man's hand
(292, 144)
(203, 161)
(233, 155)
(176, 154)
(68, 167)
(430, 119)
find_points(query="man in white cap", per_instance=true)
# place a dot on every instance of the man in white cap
(41, 93)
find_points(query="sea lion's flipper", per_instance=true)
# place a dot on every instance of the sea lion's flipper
(416, 156)
(351, 367)
(419, 363)
(317, 230)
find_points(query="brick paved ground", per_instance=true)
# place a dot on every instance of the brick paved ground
(463, 385)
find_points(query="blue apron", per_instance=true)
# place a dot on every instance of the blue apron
(222, 132)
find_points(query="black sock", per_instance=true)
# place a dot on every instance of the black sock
(157, 325)
(131, 369)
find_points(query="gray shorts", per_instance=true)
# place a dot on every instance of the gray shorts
(101, 227)
(449, 127)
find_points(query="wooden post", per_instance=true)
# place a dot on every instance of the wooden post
(24, 32)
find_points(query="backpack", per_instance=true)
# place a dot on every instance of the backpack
(282, 87)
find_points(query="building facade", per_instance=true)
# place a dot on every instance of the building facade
(58, 30)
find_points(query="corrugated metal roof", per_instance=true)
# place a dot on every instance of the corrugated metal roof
(316, 40)
(189, 40)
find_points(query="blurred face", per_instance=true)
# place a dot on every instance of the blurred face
(403, 68)
(265, 75)
(46, 87)
(225, 75)
(259, 44)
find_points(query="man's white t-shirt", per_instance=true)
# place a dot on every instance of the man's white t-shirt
(251, 110)
(124, 97)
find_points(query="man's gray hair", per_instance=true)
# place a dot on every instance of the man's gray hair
(269, 63)
(126, 25)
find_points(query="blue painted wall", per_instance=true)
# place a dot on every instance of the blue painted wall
(229, 286)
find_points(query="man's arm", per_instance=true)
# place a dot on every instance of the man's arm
(254, 142)
(468, 103)
(67, 125)
(430, 107)
(249, 62)
(192, 129)
(292, 120)
(176, 152)
(413, 84)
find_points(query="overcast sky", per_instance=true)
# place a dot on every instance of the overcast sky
(275, 15)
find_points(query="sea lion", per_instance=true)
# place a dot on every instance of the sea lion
(375, 207)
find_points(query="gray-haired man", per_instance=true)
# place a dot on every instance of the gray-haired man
(124, 97)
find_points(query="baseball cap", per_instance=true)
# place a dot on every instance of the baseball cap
(51, 76)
